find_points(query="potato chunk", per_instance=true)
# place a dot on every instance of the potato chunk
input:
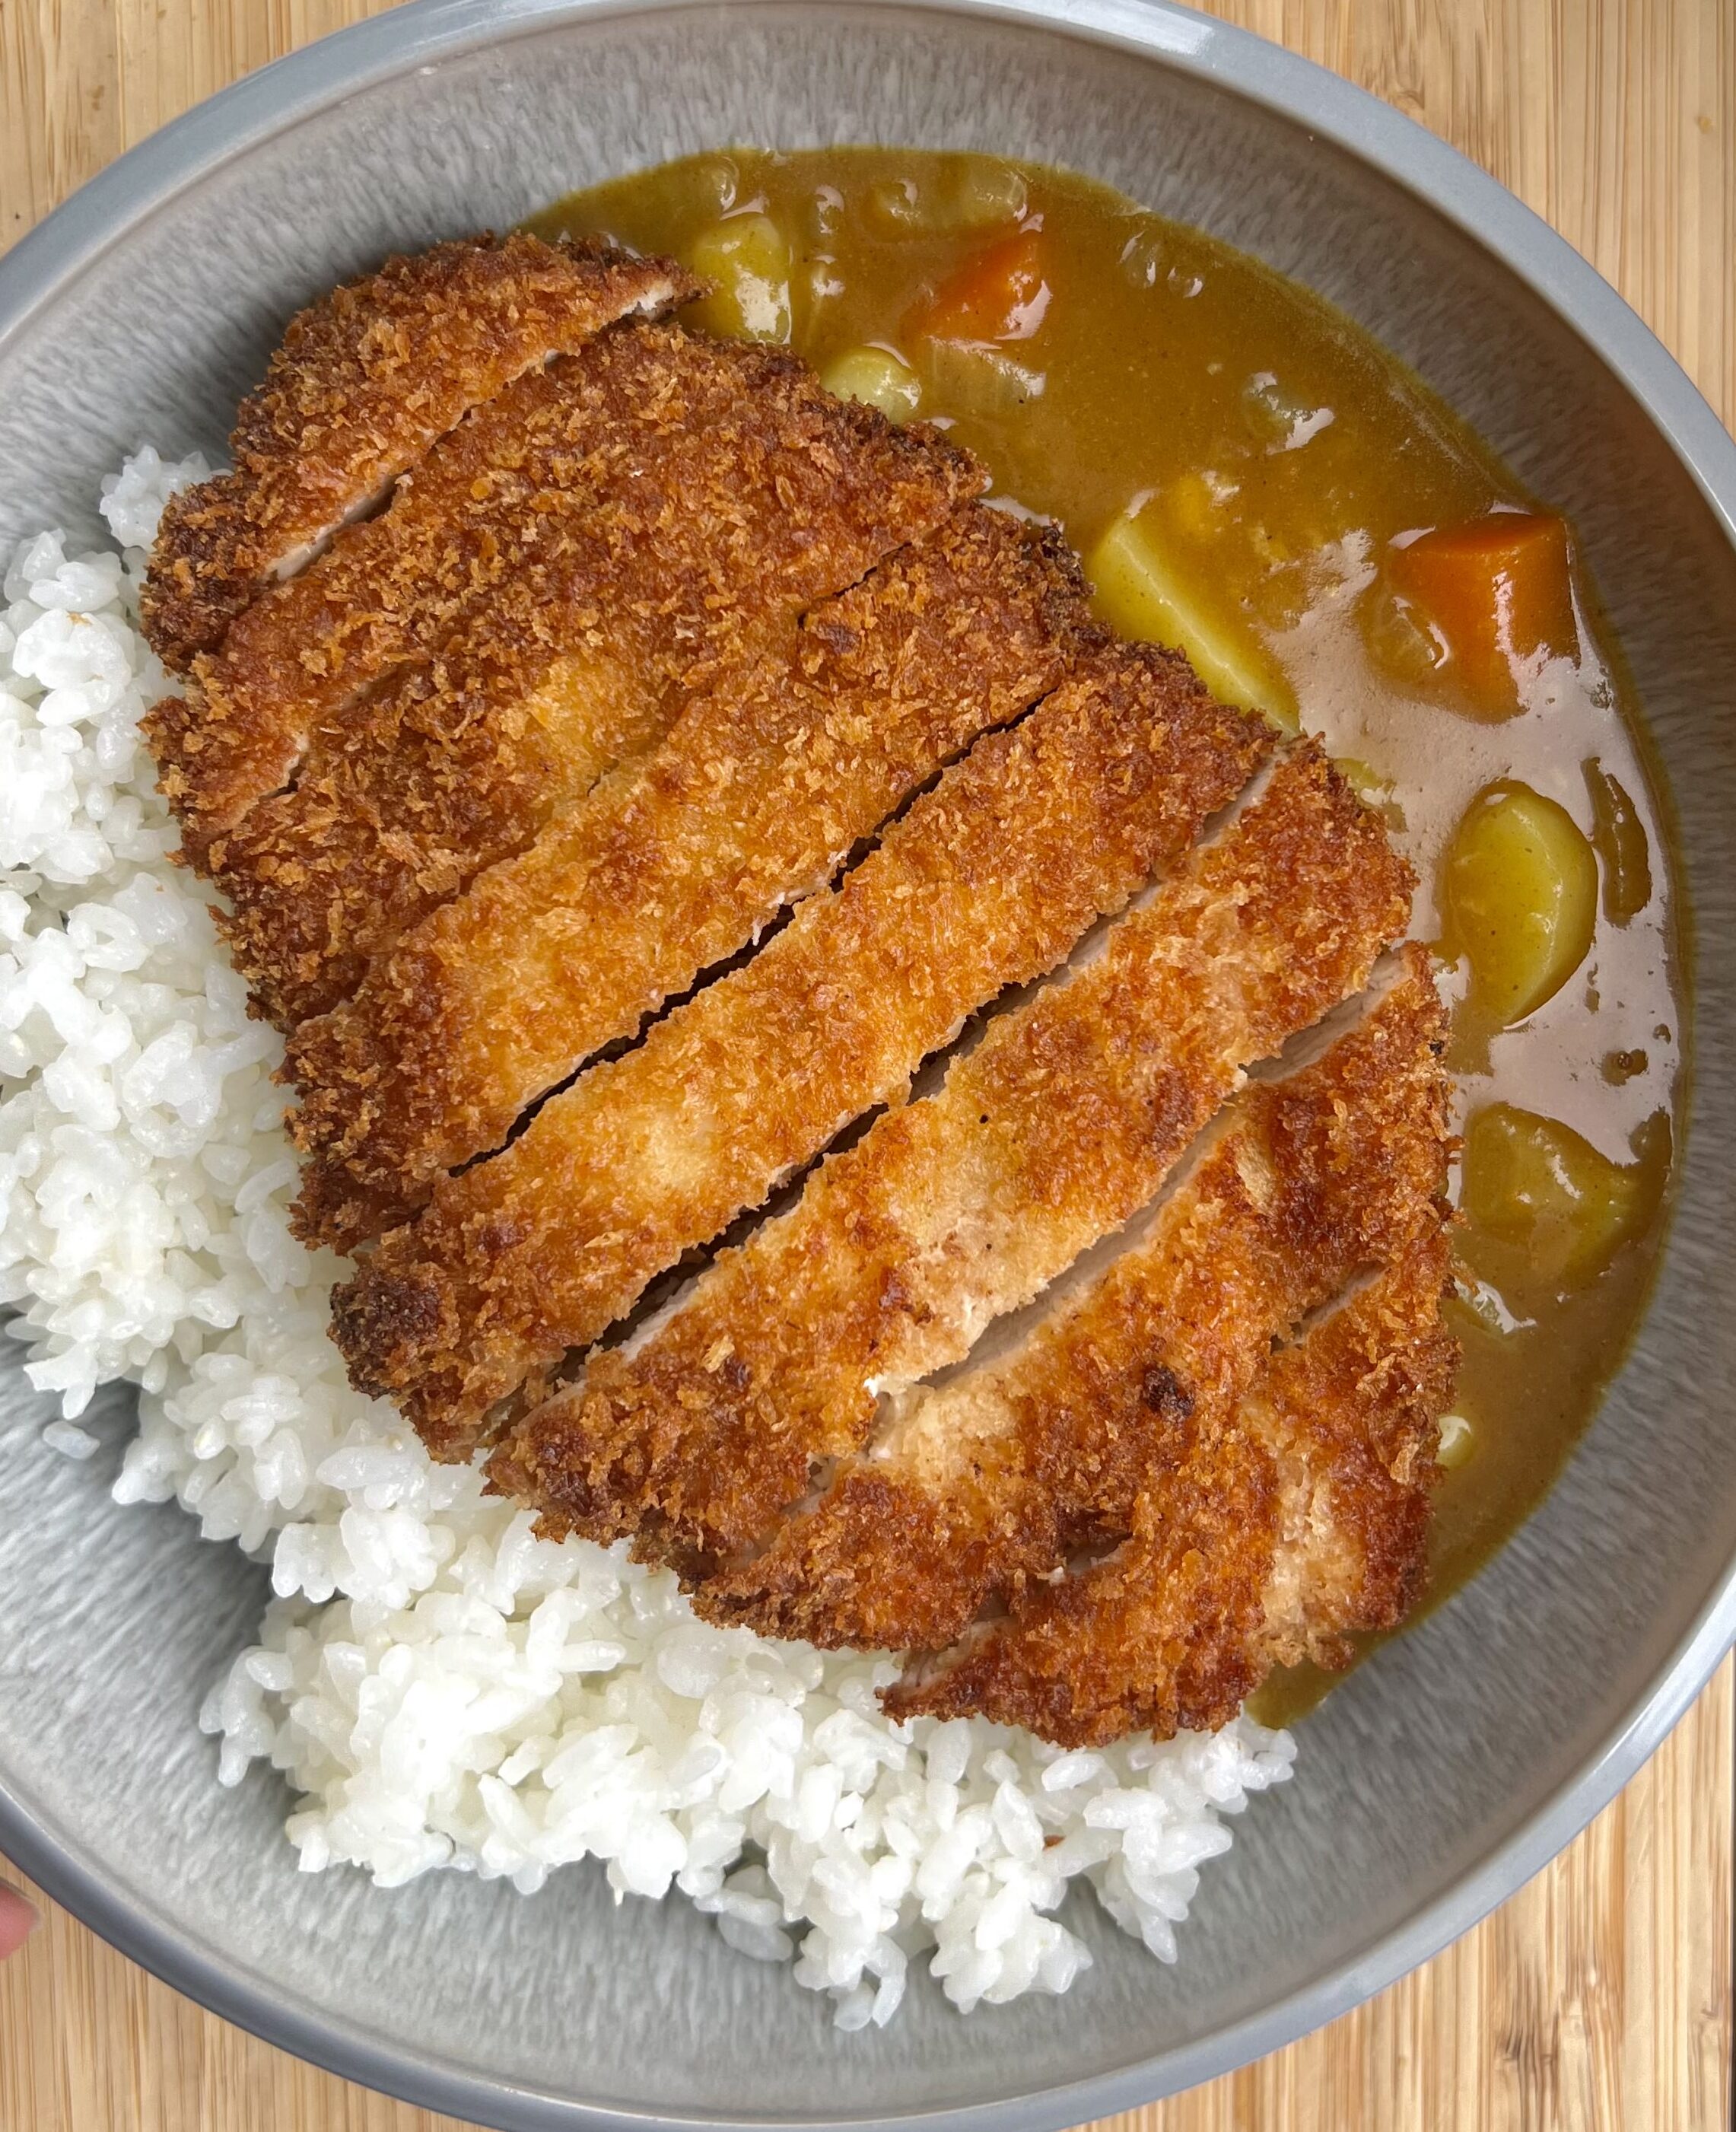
(875, 376)
(985, 192)
(1554, 1211)
(1140, 592)
(1518, 897)
(746, 258)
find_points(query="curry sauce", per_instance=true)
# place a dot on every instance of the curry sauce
(1250, 475)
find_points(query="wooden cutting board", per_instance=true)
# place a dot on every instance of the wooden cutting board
(1599, 1999)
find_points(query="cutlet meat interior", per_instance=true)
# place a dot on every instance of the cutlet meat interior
(696, 850)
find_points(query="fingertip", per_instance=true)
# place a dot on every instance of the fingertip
(18, 1920)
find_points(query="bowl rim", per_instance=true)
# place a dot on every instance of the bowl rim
(104, 212)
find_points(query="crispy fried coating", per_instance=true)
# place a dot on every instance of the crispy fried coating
(974, 1488)
(756, 794)
(491, 501)
(1052, 1133)
(364, 382)
(1264, 1527)
(986, 881)
(531, 604)
(1350, 1418)
(1275, 1538)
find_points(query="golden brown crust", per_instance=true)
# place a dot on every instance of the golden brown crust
(759, 788)
(563, 566)
(364, 382)
(1058, 1126)
(1280, 1504)
(1256, 1510)
(1025, 1464)
(1272, 1539)
(999, 1479)
(987, 881)
(1349, 1418)
(492, 505)
(654, 552)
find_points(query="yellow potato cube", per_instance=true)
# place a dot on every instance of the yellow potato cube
(746, 258)
(877, 377)
(1518, 898)
(895, 205)
(1140, 592)
(1555, 1209)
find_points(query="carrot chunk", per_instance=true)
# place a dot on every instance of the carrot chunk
(1000, 294)
(1490, 593)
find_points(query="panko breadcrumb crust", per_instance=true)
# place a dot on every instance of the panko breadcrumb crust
(764, 785)
(986, 882)
(1129, 1418)
(539, 655)
(687, 550)
(981, 1486)
(536, 602)
(364, 382)
(950, 1213)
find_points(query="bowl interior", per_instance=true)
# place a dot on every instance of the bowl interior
(116, 1621)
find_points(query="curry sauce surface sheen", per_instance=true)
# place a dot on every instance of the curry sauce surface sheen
(1273, 453)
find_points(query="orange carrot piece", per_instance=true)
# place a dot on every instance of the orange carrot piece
(1000, 294)
(1491, 592)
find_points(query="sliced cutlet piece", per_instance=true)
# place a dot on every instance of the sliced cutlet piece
(365, 381)
(986, 881)
(492, 501)
(606, 528)
(1145, 1453)
(974, 1488)
(1058, 1128)
(1350, 1418)
(753, 799)
(1272, 1537)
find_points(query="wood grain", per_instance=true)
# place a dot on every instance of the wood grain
(1599, 1999)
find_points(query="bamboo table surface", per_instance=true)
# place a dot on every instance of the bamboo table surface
(1599, 1999)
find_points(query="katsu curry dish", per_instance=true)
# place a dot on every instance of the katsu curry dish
(968, 936)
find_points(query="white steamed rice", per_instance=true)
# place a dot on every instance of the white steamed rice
(441, 1688)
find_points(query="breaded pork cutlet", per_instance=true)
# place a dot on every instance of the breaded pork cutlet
(528, 610)
(1350, 1416)
(755, 795)
(1257, 1526)
(986, 881)
(975, 1488)
(491, 502)
(364, 382)
(1053, 1133)
(1271, 1538)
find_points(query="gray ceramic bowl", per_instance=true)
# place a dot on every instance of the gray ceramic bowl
(1440, 1776)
